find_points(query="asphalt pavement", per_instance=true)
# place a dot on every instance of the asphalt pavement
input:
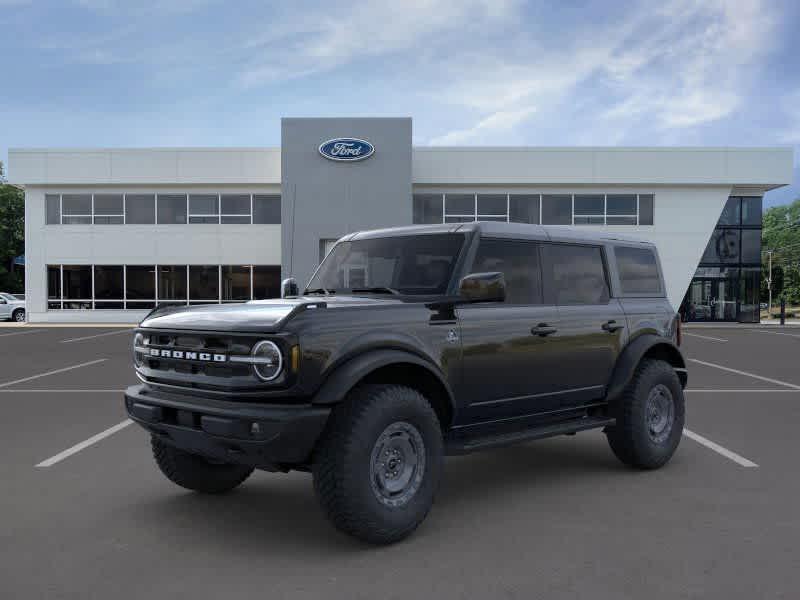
(558, 518)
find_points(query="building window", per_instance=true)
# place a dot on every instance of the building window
(524, 208)
(589, 209)
(171, 209)
(109, 209)
(204, 208)
(236, 284)
(76, 209)
(646, 209)
(266, 282)
(140, 209)
(428, 208)
(172, 284)
(203, 283)
(267, 209)
(164, 209)
(53, 209)
(235, 209)
(143, 287)
(557, 209)
(325, 246)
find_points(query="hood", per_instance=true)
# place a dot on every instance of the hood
(256, 316)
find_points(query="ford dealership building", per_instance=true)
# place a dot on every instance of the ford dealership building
(110, 233)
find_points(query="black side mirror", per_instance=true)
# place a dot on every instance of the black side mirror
(289, 287)
(483, 287)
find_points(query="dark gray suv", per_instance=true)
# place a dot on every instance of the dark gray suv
(409, 344)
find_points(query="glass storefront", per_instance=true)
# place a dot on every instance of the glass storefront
(727, 282)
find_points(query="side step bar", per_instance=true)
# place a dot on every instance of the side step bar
(465, 446)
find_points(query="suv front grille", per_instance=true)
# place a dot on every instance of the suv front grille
(215, 362)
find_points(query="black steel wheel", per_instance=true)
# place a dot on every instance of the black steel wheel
(650, 416)
(378, 463)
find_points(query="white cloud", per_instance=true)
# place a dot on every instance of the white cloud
(496, 122)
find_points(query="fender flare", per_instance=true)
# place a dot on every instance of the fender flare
(348, 374)
(631, 356)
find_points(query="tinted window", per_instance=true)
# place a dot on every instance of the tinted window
(236, 283)
(203, 208)
(235, 208)
(266, 282)
(646, 209)
(427, 208)
(589, 209)
(519, 263)
(492, 205)
(638, 270)
(76, 208)
(53, 206)
(524, 208)
(411, 264)
(723, 247)
(574, 274)
(140, 209)
(77, 282)
(459, 204)
(751, 211)
(730, 214)
(53, 282)
(172, 282)
(266, 209)
(140, 282)
(171, 209)
(557, 210)
(108, 282)
(203, 282)
(108, 209)
(621, 204)
(751, 245)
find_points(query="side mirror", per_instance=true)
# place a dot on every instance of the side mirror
(289, 287)
(483, 287)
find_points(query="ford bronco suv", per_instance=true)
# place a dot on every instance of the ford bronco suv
(407, 345)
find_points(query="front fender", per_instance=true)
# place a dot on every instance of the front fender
(632, 354)
(348, 374)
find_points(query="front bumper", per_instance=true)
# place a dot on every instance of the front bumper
(269, 436)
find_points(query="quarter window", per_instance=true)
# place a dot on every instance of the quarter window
(519, 263)
(638, 270)
(574, 274)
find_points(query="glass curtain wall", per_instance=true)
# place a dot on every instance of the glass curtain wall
(726, 284)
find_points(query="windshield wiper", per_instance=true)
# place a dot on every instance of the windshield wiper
(376, 290)
(319, 290)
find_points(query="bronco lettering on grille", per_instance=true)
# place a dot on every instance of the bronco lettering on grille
(181, 354)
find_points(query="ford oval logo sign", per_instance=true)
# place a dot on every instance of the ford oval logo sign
(345, 149)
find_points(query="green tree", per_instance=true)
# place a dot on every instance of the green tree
(781, 235)
(12, 235)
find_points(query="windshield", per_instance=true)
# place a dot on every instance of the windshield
(412, 264)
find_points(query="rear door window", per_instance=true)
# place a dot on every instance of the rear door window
(638, 271)
(518, 261)
(574, 274)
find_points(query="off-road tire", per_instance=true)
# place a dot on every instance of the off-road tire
(630, 437)
(343, 462)
(196, 473)
(18, 315)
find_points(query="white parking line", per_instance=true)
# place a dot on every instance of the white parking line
(88, 391)
(753, 375)
(22, 332)
(91, 337)
(729, 454)
(794, 335)
(24, 379)
(705, 337)
(84, 444)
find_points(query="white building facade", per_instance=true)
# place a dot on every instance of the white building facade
(111, 233)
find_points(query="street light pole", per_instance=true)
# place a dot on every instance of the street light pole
(769, 284)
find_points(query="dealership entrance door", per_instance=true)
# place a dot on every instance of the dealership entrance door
(711, 300)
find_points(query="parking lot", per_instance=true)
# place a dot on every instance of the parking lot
(84, 512)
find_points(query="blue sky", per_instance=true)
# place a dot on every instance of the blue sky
(470, 72)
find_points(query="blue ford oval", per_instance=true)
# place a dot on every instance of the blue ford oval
(345, 149)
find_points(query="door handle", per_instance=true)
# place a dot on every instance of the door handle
(543, 329)
(611, 326)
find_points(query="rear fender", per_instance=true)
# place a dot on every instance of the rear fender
(644, 346)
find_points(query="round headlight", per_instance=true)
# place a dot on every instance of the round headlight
(138, 342)
(267, 360)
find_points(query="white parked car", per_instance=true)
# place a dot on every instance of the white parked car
(12, 308)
